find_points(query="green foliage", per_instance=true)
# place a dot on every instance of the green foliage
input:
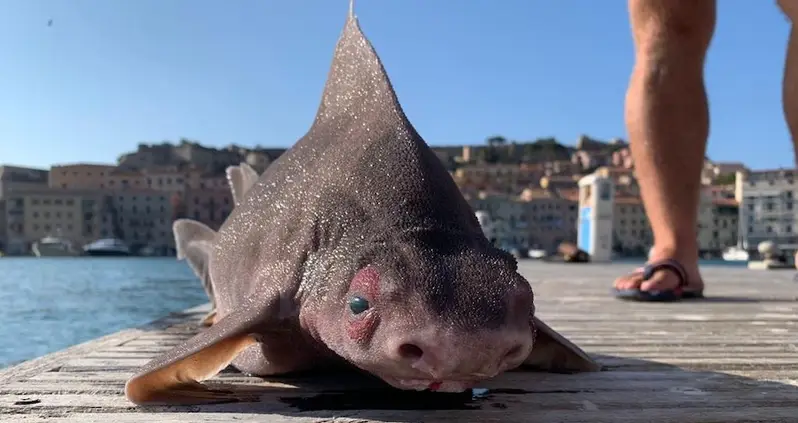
(726, 179)
(499, 149)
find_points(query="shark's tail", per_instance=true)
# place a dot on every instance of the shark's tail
(194, 240)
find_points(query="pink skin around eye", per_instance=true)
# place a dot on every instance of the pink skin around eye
(365, 283)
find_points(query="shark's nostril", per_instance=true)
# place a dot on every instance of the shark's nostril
(410, 352)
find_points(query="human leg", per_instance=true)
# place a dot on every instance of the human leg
(790, 81)
(667, 119)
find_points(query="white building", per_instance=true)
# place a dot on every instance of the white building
(767, 206)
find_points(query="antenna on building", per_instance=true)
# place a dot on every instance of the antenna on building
(351, 8)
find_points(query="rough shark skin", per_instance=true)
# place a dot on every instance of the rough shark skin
(194, 240)
(357, 247)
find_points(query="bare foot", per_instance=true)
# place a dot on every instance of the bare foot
(665, 278)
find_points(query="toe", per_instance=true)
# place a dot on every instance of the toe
(630, 281)
(661, 280)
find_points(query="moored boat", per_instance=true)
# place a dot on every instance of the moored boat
(107, 247)
(53, 246)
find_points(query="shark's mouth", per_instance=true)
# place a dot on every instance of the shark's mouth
(432, 385)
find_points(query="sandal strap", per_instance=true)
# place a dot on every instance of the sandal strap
(650, 268)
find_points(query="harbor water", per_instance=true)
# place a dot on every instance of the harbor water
(48, 304)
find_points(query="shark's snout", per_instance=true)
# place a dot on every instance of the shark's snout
(434, 355)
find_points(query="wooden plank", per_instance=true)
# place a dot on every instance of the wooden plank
(586, 415)
(631, 381)
(731, 359)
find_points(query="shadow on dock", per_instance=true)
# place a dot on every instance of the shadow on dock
(626, 384)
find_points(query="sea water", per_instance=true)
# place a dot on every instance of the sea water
(48, 304)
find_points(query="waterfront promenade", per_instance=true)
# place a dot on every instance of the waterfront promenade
(730, 358)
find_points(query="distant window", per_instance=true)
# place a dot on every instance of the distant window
(604, 192)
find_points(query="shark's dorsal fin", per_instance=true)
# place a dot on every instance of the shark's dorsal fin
(357, 85)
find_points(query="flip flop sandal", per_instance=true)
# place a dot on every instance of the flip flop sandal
(648, 271)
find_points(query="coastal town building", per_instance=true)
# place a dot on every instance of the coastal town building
(767, 206)
(724, 229)
(508, 178)
(210, 206)
(80, 176)
(148, 156)
(16, 178)
(712, 172)
(527, 190)
(631, 230)
(32, 214)
(537, 218)
(717, 224)
(139, 218)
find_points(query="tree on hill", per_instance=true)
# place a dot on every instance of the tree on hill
(545, 149)
(492, 154)
(496, 141)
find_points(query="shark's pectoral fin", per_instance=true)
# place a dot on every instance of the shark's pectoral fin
(174, 378)
(241, 179)
(554, 353)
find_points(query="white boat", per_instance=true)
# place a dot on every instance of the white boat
(147, 251)
(53, 246)
(107, 247)
(536, 253)
(735, 253)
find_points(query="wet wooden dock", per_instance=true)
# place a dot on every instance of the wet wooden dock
(730, 358)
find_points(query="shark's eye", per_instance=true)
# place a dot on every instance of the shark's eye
(358, 305)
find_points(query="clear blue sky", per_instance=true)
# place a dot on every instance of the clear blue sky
(109, 74)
